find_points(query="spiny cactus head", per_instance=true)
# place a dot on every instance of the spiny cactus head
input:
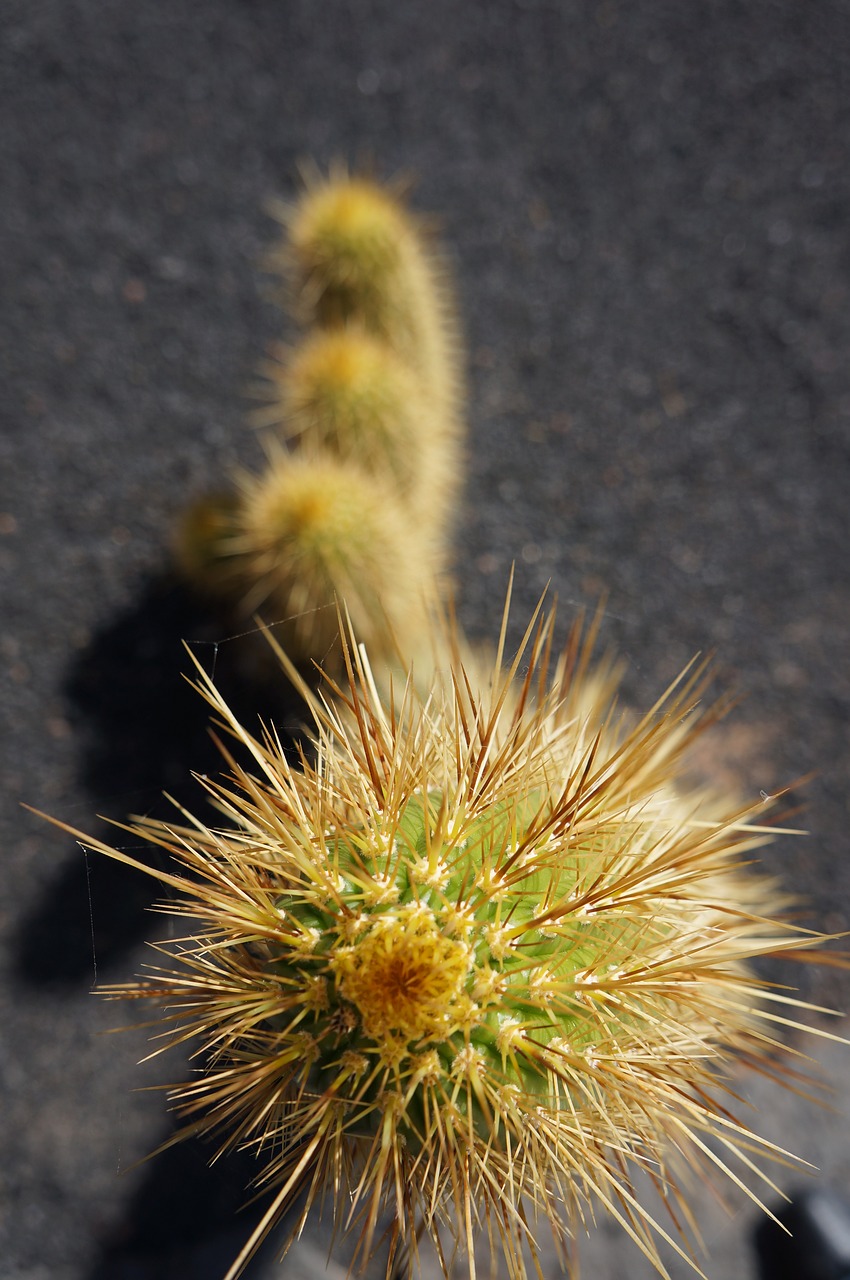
(348, 392)
(347, 239)
(315, 534)
(354, 253)
(480, 951)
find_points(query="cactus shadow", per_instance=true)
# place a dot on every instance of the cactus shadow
(186, 1221)
(142, 731)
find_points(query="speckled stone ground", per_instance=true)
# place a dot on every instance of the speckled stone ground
(646, 207)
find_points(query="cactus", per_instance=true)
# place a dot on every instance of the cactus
(357, 260)
(313, 535)
(348, 392)
(369, 403)
(481, 956)
(356, 253)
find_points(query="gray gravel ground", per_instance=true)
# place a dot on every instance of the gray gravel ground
(646, 206)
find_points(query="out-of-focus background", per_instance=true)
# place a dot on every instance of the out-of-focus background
(645, 206)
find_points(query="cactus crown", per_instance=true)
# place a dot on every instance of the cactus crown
(348, 240)
(346, 391)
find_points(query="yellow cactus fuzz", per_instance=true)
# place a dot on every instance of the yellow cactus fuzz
(346, 391)
(313, 535)
(404, 977)
(474, 963)
(355, 253)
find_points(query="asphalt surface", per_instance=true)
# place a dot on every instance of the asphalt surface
(646, 209)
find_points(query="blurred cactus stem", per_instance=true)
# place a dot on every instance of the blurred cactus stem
(313, 536)
(355, 252)
(357, 504)
(349, 392)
